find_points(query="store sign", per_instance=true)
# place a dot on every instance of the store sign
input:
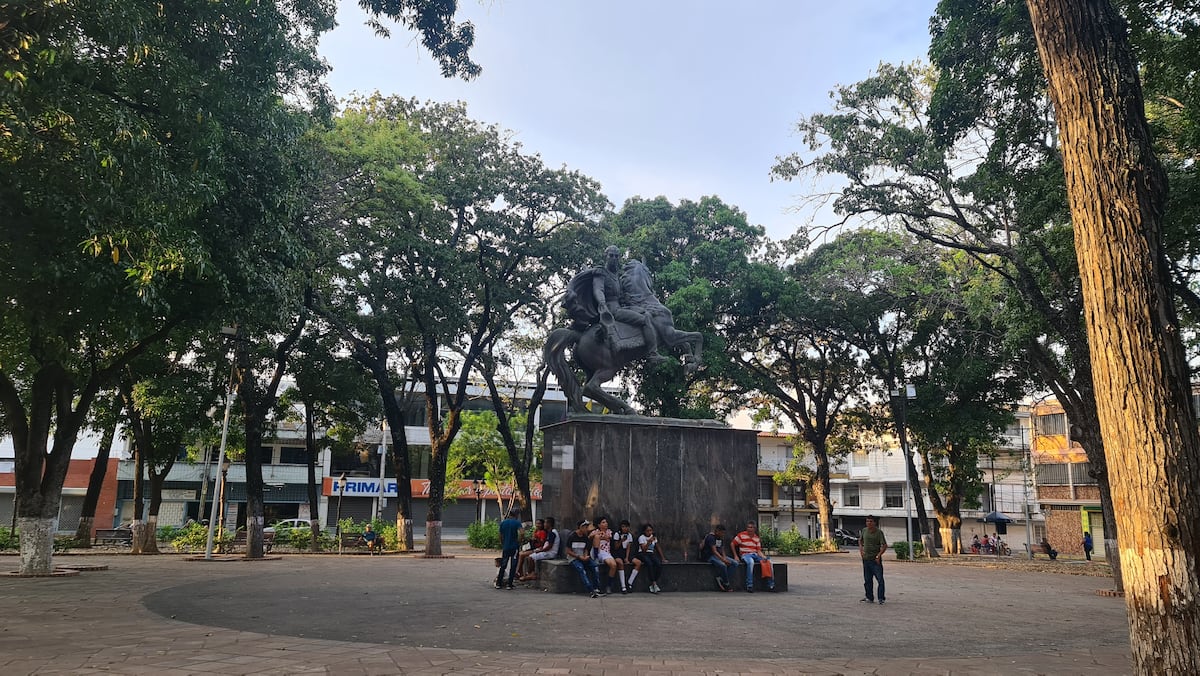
(366, 487)
(178, 494)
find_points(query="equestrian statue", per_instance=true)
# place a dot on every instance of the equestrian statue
(615, 320)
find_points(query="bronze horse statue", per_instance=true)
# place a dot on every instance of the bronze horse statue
(602, 356)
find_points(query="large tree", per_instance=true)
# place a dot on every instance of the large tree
(800, 368)
(449, 234)
(929, 151)
(1117, 192)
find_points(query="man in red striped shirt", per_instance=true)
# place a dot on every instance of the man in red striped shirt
(748, 547)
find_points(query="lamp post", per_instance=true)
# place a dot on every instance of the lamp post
(341, 493)
(1026, 463)
(229, 332)
(220, 490)
(901, 396)
(225, 465)
(478, 486)
(793, 491)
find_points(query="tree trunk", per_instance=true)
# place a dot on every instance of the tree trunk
(157, 478)
(1117, 192)
(87, 516)
(400, 459)
(138, 527)
(824, 506)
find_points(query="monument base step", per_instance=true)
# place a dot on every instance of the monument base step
(559, 577)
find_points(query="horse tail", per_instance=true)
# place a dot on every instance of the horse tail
(557, 343)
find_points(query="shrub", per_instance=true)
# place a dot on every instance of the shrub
(901, 549)
(770, 539)
(484, 535)
(168, 533)
(297, 538)
(194, 538)
(9, 538)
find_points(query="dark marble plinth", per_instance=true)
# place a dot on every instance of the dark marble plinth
(684, 476)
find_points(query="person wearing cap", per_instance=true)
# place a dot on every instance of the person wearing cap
(510, 545)
(579, 553)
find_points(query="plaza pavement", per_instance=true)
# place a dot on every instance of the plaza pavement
(328, 614)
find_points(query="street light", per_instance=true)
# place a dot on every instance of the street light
(222, 459)
(341, 493)
(909, 392)
(478, 485)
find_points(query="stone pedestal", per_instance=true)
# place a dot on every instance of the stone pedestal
(683, 476)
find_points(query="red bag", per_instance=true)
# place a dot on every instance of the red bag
(767, 570)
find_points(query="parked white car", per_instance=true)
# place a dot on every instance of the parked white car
(288, 524)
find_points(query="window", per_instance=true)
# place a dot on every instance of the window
(1055, 423)
(293, 455)
(1052, 474)
(266, 454)
(893, 495)
(414, 410)
(765, 485)
(850, 497)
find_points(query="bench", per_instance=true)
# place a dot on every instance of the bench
(1036, 549)
(239, 540)
(558, 576)
(356, 541)
(115, 536)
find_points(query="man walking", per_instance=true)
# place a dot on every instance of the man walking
(871, 546)
(1087, 545)
(510, 544)
(747, 546)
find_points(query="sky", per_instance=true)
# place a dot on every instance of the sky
(682, 98)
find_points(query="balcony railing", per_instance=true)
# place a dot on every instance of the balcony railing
(1064, 474)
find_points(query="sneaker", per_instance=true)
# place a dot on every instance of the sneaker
(881, 602)
(496, 584)
(510, 586)
(595, 594)
(750, 590)
(721, 585)
(654, 588)
(866, 600)
(625, 590)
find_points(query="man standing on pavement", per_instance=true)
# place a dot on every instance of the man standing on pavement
(579, 553)
(713, 551)
(871, 546)
(510, 544)
(1087, 545)
(747, 546)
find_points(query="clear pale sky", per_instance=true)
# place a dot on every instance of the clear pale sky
(652, 97)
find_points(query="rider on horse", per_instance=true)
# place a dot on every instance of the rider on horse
(596, 296)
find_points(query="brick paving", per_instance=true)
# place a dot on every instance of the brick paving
(305, 614)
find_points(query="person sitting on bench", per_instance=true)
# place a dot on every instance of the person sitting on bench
(1050, 551)
(370, 538)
